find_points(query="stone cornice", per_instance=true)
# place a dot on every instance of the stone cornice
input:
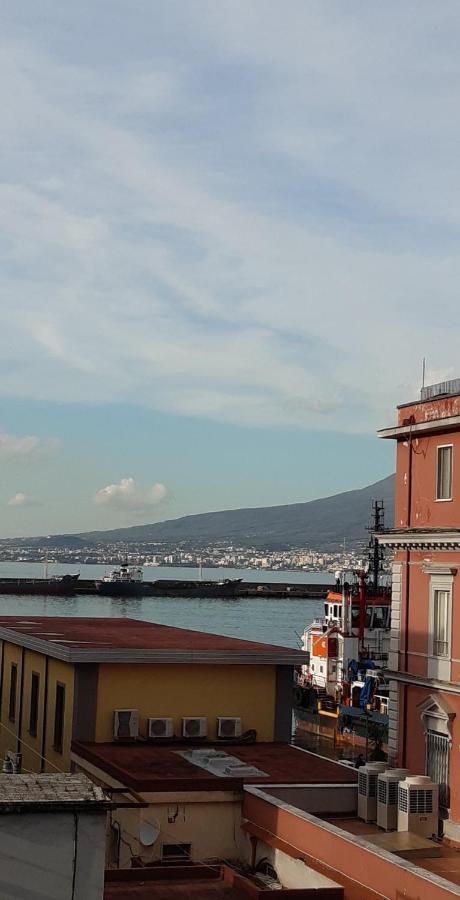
(420, 540)
(399, 432)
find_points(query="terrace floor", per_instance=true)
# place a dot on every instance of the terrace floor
(430, 855)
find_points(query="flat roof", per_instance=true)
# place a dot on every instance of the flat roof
(179, 888)
(436, 858)
(50, 793)
(150, 768)
(200, 881)
(78, 639)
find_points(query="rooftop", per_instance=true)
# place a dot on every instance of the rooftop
(199, 882)
(437, 411)
(441, 389)
(186, 882)
(49, 793)
(436, 391)
(145, 767)
(78, 639)
(434, 857)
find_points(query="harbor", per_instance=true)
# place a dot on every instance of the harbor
(232, 588)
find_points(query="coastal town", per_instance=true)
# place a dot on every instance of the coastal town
(201, 557)
(208, 790)
(229, 451)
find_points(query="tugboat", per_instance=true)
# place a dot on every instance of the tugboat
(343, 690)
(125, 581)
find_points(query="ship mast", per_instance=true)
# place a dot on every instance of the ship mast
(375, 549)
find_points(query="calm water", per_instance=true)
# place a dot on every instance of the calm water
(265, 619)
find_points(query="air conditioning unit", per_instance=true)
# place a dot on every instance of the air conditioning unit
(367, 790)
(194, 726)
(160, 728)
(228, 727)
(387, 798)
(125, 724)
(418, 805)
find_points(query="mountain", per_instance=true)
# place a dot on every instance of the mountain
(319, 524)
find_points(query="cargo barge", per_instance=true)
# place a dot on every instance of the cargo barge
(63, 585)
(228, 588)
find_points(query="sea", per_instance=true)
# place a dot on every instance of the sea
(266, 619)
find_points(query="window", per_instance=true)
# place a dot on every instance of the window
(437, 764)
(379, 617)
(176, 851)
(444, 473)
(34, 691)
(437, 719)
(59, 717)
(13, 689)
(441, 604)
(440, 624)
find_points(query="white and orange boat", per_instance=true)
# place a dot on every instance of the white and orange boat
(348, 651)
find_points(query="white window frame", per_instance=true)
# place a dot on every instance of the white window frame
(438, 448)
(439, 667)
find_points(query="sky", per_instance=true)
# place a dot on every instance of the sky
(229, 234)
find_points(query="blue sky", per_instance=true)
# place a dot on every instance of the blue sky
(229, 234)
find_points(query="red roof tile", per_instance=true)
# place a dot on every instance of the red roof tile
(78, 638)
(143, 767)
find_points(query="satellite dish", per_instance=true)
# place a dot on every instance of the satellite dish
(149, 832)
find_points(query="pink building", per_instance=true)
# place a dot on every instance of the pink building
(424, 661)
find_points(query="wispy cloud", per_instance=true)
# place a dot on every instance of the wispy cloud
(23, 500)
(130, 496)
(241, 212)
(16, 448)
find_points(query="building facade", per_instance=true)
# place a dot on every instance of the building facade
(62, 679)
(424, 661)
(52, 837)
(192, 795)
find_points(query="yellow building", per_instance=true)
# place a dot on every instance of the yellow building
(96, 680)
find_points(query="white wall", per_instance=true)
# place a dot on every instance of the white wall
(339, 799)
(293, 874)
(37, 855)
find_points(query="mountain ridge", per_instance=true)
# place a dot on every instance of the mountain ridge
(320, 524)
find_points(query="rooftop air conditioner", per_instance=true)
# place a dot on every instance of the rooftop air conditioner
(160, 728)
(194, 727)
(228, 727)
(387, 798)
(125, 724)
(367, 790)
(418, 801)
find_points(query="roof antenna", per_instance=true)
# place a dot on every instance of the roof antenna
(423, 372)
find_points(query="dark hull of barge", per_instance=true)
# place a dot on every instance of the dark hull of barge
(165, 588)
